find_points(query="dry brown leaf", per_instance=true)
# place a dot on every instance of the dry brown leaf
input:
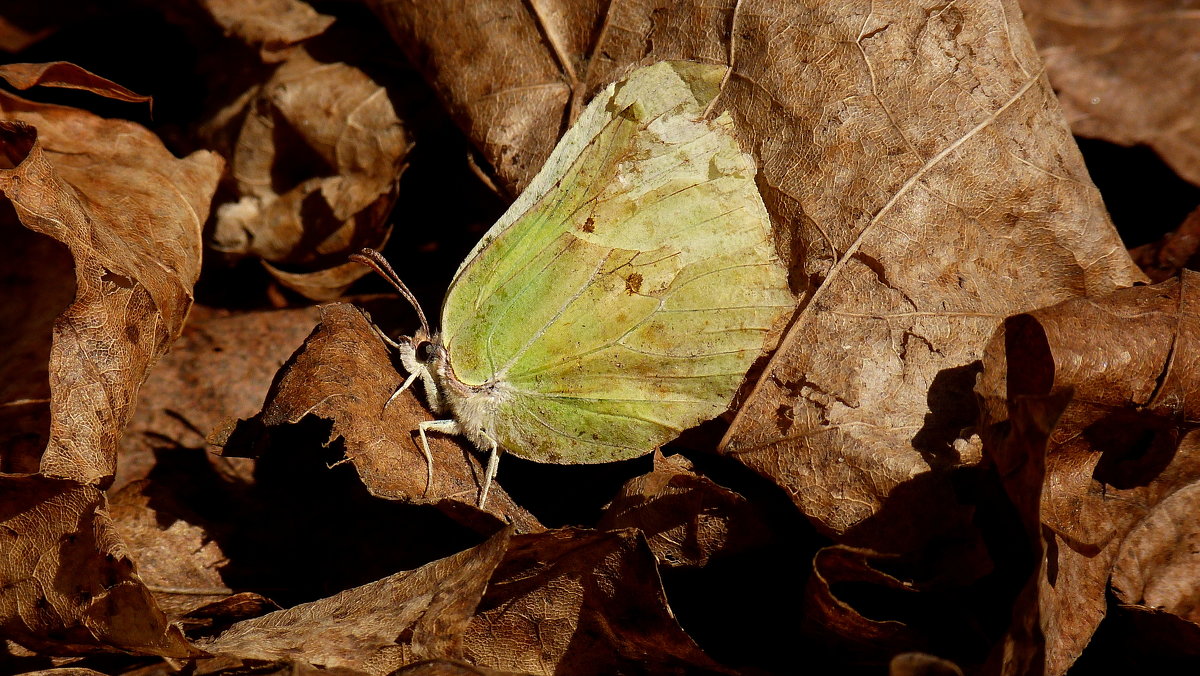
(579, 602)
(506, 91)
(1126, 71)
(67, 76)
(378, 627)
(1158, 564)
(134, 233)
(939, 175)
(1124, 445)
(220, 368)
(177, 560)
(344, 373)
(67, 584)
(316, 164)
(686, 518)
(270, 25)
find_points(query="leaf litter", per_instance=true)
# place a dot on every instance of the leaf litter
(982, 419)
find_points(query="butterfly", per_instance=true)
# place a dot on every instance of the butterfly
(621, 298)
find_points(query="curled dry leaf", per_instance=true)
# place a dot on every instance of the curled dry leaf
(314, 180)
(686, 518)
(67, 584)
(571, 601)
(1124, 448)
(378, 627)
(344, 373)
(1125, 71)
(916, 164)
(67, 76)
(134, 233)
(836, 619)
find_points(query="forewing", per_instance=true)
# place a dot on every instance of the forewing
(625, 303)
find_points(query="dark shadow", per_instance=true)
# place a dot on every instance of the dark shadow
(1144, 196)
(952, 408)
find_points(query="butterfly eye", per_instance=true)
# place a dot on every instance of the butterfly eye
(424, 351)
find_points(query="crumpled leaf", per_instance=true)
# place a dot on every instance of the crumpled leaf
(1124, 367)
(1125, 71)
(68, 584)
(67, 76)
(316, 163)
(344, 373)
(915, 163)
(687, 518)
(571, 601)
(378, 627)
(134, 233)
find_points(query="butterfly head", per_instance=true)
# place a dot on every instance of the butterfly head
(422, 353)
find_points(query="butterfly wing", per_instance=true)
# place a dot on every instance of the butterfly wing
(623, 296)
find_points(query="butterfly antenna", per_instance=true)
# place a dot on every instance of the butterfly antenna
(375, 260)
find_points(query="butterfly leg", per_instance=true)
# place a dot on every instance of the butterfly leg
(493, 464)
(407, 381)
(443, 426)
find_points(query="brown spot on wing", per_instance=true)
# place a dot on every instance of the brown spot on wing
(633, 284)
(589, 225)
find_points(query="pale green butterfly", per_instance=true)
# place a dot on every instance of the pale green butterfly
(620, 299)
